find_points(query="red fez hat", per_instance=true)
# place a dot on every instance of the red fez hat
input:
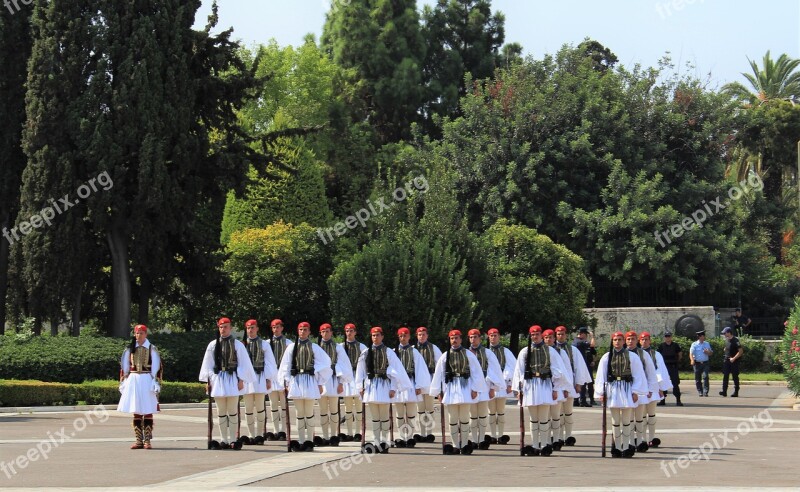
(422, 328)
(561, 328)
(548, 333)
(644, 334)
(325, 326)
(534, 329)
(222, 321)
(304, 324)
(454, 333)
(474, 331)
(376, 329)
(617, 334)
(403, 331)
(276, 321)
(250, 322)
(630, 334)
(349, 326)
(139, 328)
(493, 331)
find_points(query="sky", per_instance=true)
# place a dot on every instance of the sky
(715, 36)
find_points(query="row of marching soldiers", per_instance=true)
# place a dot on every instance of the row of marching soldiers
(472, 382)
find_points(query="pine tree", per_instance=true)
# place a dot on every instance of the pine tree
(15, 48)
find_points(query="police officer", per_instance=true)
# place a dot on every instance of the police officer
(730, 364)
(671, 352)
(588, 351)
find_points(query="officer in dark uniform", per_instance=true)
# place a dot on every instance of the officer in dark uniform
(588, 351)
(730, 366)
(671, 352)
(739, 321)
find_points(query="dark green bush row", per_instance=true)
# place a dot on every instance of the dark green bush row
(752, 361)
(74, 360)
(37, 393)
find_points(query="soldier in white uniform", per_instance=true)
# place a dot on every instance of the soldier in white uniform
(430, 354)
(653, 392)
(329, 401)
(621, 380)
(140, 385)
(304, 371)
(352, 399)
(493, 374)
(226, 368)
(458, 380)
(405, 402)
(255, 394)
(380, 376)
(497, 406)
(538, 377)
(574, 363)
(277, 398)
(556, 410)
(664, 385)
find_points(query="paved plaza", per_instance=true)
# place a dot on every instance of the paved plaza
(751, 441)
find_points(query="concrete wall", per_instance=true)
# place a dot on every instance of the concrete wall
(656, 320)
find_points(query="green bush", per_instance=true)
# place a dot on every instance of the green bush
(789, 352)
(74, 360)
(37, 393)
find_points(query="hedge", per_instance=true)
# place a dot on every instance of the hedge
(14, 393)
(77, 359)
(752, 361)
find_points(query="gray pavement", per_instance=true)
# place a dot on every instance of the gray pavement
(751, 441)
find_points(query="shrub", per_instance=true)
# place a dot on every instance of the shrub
(38, 393)
(789, 353)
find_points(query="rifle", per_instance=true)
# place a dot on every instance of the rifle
(288, 422)
(605, 424)
(363, 418)
(441, 411)
(521, 423)
(391, 426)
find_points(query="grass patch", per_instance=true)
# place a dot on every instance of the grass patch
(744, 376)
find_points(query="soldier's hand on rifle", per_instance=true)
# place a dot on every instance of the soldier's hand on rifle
(361, 392)
(661, 394)
(340, 388)
(577, 388)
(474, 394)
(566, 394)
(508, 389)
(418, 392)
(269, 384)
(320, 388)
(555, 395)
(240, 385)
(208, 388)
(491, 394)
(391, 393)
(649, 394)
(601, 399)
(635, 397)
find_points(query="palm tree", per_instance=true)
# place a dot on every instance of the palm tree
(777, 80)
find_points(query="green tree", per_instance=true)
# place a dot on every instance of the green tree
(463, 37)
(541, 282)
(403, 282)
(15, 48)
(278, 271)
(382, 41)
(775, 79)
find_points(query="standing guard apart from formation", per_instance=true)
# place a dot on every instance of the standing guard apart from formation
(277, 397)
(563, 386)
(732, 353)
(497, 406)
(305, 370)
(537, 379)
(329, 401)
(140, 378)
(255, 393)
(430, 354)
(379, 377)
(458, 380)
(671, 352)
(574, 364)
(588, 352)
(493, 375)
(664, 385)
(653, 391)
(352, 399)
(624, 381)
(226, 368)
(405, 402)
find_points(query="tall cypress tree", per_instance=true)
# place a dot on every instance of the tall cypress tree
(382, 40)
(15, 48)
(57, 243)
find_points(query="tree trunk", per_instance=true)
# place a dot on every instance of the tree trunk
(5, 246)
(53, 327)
(120, 281)
(772, 191)
(37, 326)
(514, 342)
(75, 325)
(145, 292)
